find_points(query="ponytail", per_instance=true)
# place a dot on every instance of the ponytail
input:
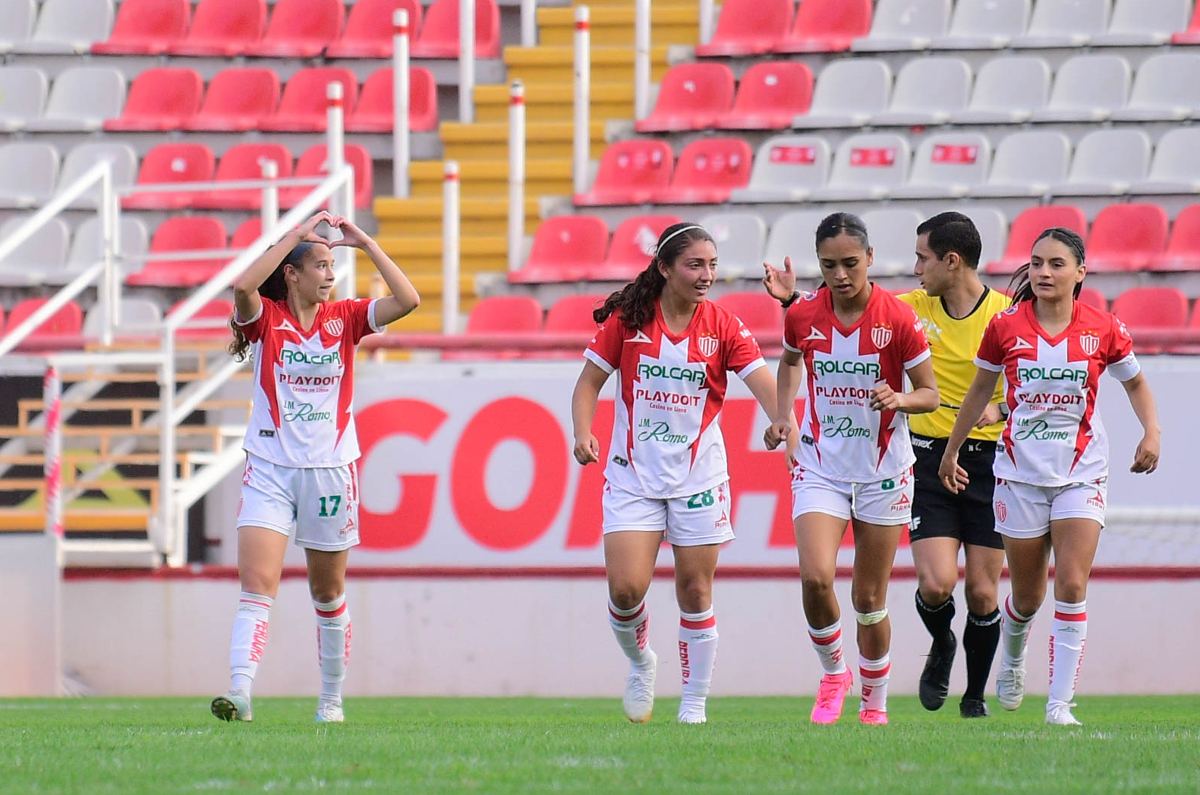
(273, 289)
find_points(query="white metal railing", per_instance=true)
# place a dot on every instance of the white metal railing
(516, 174)
(105, 270)
(706, 21)
(528, 23)
(466, 61)
(400, 104)
(450, 247)
(641, 58)
(582, 140)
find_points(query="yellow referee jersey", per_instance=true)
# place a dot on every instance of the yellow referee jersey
(954, 342)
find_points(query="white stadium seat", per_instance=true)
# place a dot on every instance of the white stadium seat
(794, 235)
(138, 316)
(28, 172)
(947, 165)
(1065, 23)
(1107, 163)
(87, 246)
(1087, 88)
(993, 232)
(1166, 88)
(81, 99)
(893, 235)
(848, 93)
(16, 23)
(43, 254)
(866, 167)
(22, 96)
(1144, 23)
(985, 24)
(1176, 165)
(905, 25)
(928, 91)
(741, 238)
(82, 157)
(786, 168)
(1007, 91)
(1027, 163)
(70, 26)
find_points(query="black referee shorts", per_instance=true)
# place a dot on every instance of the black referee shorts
(967, 515)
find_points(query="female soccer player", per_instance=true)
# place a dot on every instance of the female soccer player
(855, 459)
(1052, 459)
(301, 443)
(670, 347)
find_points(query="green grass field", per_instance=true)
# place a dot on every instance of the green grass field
(750, 745)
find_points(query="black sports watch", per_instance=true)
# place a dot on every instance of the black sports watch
(791, 299)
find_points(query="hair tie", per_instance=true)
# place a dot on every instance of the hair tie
(658, 248)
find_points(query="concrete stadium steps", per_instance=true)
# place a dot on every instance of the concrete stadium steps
(489, 141)
(423, 254)
(557, 64)
(554, 102)
(422, 217)
(490, 177)
(612, 26)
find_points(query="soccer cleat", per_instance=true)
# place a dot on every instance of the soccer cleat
(872, 717)
(1010, 685)
(639, 690)
(692, 715)
(234, 705)
(1060, 715)
(329, 712)
(973, 708)
(831, 694)
(935, 678)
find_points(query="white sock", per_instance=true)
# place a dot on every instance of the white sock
(333, 646)
(1014, 632)
(828, 643)
(632, 630)
(874, 675)
(1068, 635)
(697, 656)
(248, 640)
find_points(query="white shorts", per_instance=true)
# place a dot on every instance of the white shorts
(883, 502)
(319, 505)
(688, 521)
(1025, 511)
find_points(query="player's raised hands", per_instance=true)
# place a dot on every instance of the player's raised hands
(777, 432)
(587, 449)
(884, 398)
(351, 234)
(1145, 458)
(308, 229)
(780, 284)
(952, 476)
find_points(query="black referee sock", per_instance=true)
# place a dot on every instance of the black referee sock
(937, 619)
(980, 638)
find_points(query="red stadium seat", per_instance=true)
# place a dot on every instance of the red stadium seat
(691, 97)
(758, 311)
(224, 28)
(216, 309)
(313, 164)
(300, 29)
(1028, 225)
(1152, 307)
(769, 95)
(1192, 34)
(708, 169)
(439, 33)
(630, 172)
(183, 233)
(66, 322)
(498, 316)
(244, 161)
(1183, 248)
(374, 110)
(1, 320)
(748, 27)
(1093, 297)
(160, 99)
(237, 100)
(566, 248)
(302, 108)
(827, 26)
(368, 32)
(574, 313)
(1126, 237)
(246, 233)
(146, 27)
(171, 163)
(632, 247)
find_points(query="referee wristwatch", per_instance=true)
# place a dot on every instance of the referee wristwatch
(791, 299)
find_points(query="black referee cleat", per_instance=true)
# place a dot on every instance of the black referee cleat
(935, 679)
(973, 708)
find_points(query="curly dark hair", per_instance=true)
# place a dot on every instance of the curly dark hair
(273, 289)
(1020, 287)
(636, 299)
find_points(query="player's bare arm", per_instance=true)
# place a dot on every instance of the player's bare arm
(245, 286)
(1145, 458)
(404, 297)
(787, 384)
(953, 476)
(583, 410)
(922, 399)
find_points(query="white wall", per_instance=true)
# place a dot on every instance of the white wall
(549, 636)
(29, 602)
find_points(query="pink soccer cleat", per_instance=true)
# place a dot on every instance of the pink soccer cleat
(872, 717)
(830, 696)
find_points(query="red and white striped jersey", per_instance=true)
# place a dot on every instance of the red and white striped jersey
(841, 436)
(304, 383)
(670, 388)
(1054, 435)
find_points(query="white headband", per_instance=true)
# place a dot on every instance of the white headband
(658, 248)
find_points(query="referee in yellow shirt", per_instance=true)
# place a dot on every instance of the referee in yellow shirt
(955, 307)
